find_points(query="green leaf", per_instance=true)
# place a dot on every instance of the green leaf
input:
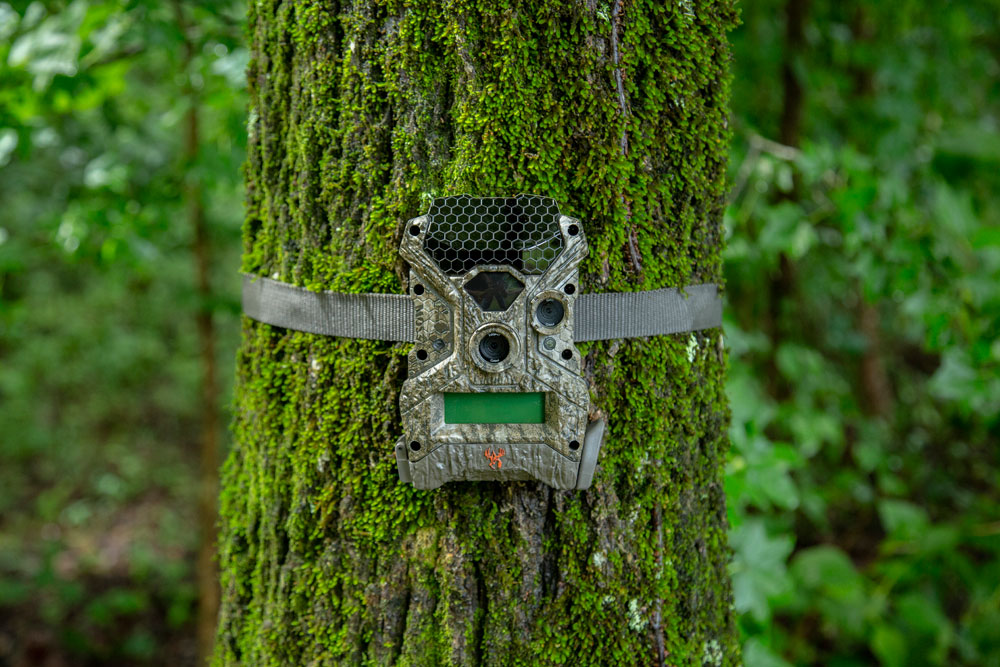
(827, 568)
(889, 646)
(756, 654)
(972, 141)
(902, 519)
(758, 568)
(8, 142)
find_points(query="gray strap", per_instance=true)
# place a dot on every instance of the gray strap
(372, 316)
(390, 316)
(635, 314)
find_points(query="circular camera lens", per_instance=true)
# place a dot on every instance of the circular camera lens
(550, 312)
(494, 347)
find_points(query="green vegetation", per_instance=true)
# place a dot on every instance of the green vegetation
(864, 327)
(99, 368)
(863, 268)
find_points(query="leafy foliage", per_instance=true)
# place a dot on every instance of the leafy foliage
(98, 357)
(864, 285)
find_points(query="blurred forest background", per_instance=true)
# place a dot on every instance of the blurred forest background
(863, 325)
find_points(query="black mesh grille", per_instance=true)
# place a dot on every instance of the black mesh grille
(521, 232)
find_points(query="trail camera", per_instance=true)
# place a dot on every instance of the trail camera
(494, 388)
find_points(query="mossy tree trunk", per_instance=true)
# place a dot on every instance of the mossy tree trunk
(360, 114)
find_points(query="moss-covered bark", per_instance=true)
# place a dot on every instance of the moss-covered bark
(362, 113)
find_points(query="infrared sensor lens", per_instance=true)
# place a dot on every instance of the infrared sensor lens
(494, 347)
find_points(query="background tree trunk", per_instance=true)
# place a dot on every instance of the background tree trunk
(362, 113)
(206, 570)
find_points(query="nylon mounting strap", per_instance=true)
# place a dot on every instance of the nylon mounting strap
(599, 316)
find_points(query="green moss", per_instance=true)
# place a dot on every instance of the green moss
(364, 113)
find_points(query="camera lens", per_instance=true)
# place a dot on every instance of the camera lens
(549, 312)
(494, 347)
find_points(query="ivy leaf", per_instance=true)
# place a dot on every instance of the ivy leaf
(758, 568)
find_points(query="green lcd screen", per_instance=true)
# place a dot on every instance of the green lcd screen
(495, 408)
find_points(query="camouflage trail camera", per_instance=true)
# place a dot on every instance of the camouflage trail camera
(494, 388)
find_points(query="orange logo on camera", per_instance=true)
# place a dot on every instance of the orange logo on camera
(495, 457)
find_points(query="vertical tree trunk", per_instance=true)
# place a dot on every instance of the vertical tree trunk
(206, 570)
(360, 114)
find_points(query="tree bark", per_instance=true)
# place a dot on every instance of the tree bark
(361, 113)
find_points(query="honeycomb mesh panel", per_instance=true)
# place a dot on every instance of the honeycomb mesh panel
(522, 232)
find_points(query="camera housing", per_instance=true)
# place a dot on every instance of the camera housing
(494, 387)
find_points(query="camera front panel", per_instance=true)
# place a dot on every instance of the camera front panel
(494, 387)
